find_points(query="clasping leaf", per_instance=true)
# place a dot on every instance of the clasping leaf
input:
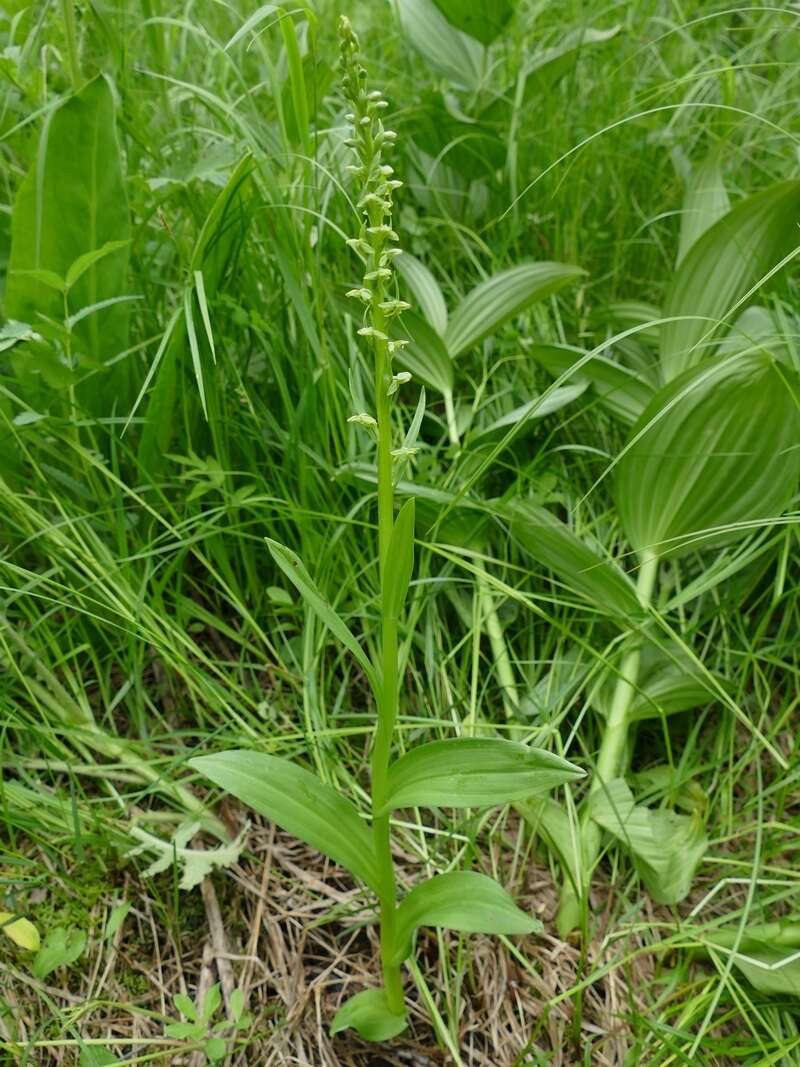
(465, 772)
(299, 802)
(460, 900)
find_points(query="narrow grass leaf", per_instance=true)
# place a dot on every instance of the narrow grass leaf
(292, 567)
(194, 348)
(200, 290)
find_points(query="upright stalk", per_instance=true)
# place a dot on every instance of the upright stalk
(610, 758)
(68, 15)
(375, 247)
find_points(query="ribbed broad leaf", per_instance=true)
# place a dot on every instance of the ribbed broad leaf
(465, 772)
(706, 200)
(299, 802)
(575, 563)
(669, 682)
(426, 356)
(292, 566)
(719, 446)
(527, 413)
(623, 392)
(444, 48)
(722, 267)
(500, 298)
(427, 296)
(483, 21)
(460, 900)
(666, 847)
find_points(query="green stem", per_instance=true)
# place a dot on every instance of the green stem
(68, 14)
(450, 414)
(494, 631)
(610, 759)
(389, 685)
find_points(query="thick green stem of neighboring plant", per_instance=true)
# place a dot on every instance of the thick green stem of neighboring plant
(68, 14)
(610, 758)
(497, 640)
(387, 703)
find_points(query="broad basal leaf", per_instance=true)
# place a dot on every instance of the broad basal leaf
(581, 567)
(427, 296)
(716, 447)
(670, 681)
(293, 568)
(767, 955)
(500, 298)
(426, 356)
(527, 414)
(666, 847)
(72, 202)
(705, 202)
(299, 802)
(461, 900)
(464, 772)
(368, 1013)
(721, 267)
(484, 21)
(622, 391)
(444, 48)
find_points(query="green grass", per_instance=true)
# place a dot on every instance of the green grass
(143, 620)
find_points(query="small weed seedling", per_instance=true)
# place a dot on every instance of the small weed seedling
(457, 772)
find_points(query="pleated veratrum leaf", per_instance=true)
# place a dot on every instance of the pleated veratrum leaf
(717, 446)
(527, 413)
(399, 561)
(444, 48)
(500, 298)
(766, 954)
(666, 847)
(292, 567)
(484, 21)
(425, 290)
(720, 268)
(426, 356)
(297, 801)
(621, 391)
(461, 900)
(73, 201)
(705, 201)
(466, 772)
(581, 567)
(369, 1014)
(670, 681)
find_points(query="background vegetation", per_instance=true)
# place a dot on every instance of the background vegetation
(147, 449)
